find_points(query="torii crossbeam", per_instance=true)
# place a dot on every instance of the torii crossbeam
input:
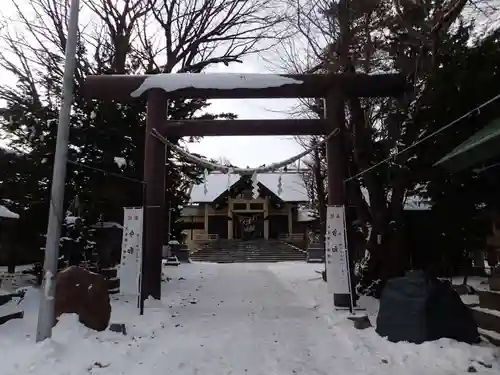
(157, 89)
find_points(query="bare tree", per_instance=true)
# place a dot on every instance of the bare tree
(116, 37)
(126, 36)
(137, 36)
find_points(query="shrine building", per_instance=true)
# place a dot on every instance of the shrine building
(233, 206)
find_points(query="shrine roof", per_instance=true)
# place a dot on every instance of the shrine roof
(292, 185)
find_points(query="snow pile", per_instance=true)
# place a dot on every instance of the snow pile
(120, 162)
(218, 81)
(8, 214)
(70, 220)
(74, 349)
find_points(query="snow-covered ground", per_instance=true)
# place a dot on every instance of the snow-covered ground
(9, 282)
(268, 319)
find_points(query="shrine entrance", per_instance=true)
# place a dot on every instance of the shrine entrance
(156, 90)
(248, 226)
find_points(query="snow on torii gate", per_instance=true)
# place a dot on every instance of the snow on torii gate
(157, 89)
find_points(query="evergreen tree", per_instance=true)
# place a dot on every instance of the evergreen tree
(469, 75)
(77, 242)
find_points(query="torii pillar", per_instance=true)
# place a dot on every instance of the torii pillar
(154, 178)
(337, 168)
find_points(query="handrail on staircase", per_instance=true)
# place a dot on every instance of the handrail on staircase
(291, 237)
(206, 237)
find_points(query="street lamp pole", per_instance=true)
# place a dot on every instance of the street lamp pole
(46, 312)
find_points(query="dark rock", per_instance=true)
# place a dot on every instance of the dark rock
(84, 293)
(471, 369)
(118, 327)
(360, 322)
(419, 308)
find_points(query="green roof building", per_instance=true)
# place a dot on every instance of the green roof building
(480, 147)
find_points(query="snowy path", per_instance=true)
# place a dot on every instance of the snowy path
(244, 321)
(216, 319)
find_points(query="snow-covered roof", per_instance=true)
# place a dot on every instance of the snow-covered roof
(106, 225)
(305, 215)
(70, 219)
(411, 203)
(221, 81)
(292, 185)
(8, 214)
(216, 184)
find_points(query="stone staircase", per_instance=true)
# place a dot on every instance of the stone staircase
(487, 315)
(258, 251)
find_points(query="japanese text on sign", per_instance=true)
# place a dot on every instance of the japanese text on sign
(131, 259)
(336, 250)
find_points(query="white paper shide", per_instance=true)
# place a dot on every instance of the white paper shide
(131, 259)
(336, 251)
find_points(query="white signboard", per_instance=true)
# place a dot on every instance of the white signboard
(131, 259)
(336, 256)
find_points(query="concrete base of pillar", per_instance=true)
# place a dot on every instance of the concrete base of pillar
(341, 300)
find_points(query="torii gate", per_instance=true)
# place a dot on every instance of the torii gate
(158, 89)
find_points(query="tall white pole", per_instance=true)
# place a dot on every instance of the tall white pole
(46, 312)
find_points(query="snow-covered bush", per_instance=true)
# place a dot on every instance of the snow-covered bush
(77, 245)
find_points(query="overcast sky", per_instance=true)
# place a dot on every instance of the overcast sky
(250, 151)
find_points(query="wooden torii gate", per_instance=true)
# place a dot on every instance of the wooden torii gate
(158, 89)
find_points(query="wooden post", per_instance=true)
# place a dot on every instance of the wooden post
(336, 165)
(205, 227)
(266, 218)
(229, 219)
(154, 176)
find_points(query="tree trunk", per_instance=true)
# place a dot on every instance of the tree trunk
(11, 258)
(320, 194)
